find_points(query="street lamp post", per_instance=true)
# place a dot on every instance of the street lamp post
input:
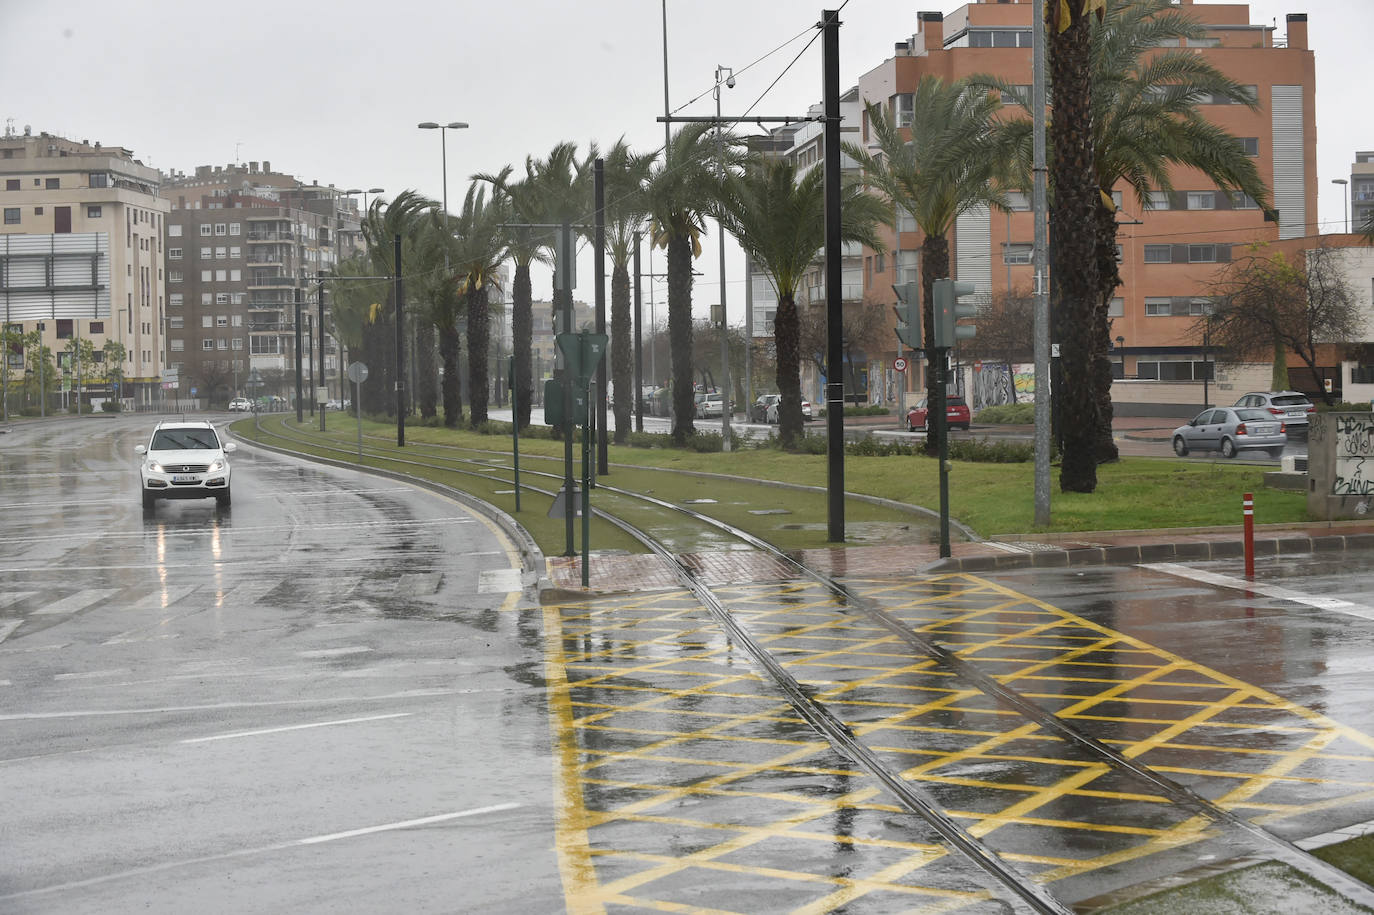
(1345, 199)
(443, 152)
(728, 75)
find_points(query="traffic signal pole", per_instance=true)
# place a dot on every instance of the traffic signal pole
(942, 425)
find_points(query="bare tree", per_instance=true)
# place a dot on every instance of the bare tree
(1006, 331)
(865, 328)
(1265, 307)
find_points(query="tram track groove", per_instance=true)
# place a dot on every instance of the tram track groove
(842, 736)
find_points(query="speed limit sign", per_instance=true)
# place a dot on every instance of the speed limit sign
(899, 364)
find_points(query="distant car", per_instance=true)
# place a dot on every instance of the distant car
(1290, 407)
(759, 411)
(956, 414)
(184, 460)
(710, 406)
(772, 414)
(1231, 430)
(240, 405)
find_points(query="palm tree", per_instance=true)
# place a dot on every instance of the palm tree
(780, 222)
(1073, 230)
(625, 172)
(524, 245)
(952, 163)
(478, 251)
(678, 195)
(1145, 121)
(405, 217)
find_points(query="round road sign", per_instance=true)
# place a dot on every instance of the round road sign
(357, 373)
(899, 364)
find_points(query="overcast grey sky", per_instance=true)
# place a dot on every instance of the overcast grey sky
(333, 91)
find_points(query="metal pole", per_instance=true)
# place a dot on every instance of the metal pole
(1248, 512)
(1042, 303)
(639, 346)
(667, 139)
(599, 288)
(564, 268)
(358, 408)
(300, 408)
(324, 383)
(942, 424)
(724, 339)
(834, 374)
(748, 339)
(398, 286)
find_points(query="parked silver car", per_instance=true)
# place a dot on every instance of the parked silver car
(1230, 430)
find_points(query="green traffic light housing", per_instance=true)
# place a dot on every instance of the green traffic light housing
(948, 311)
(908, 314)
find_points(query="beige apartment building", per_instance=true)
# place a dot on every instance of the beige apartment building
(81, 258)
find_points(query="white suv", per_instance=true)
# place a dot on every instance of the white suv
(184, 460)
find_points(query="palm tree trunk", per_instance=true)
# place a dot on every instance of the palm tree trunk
(680, 335)
(1073, 223)
(522, 331)
(448, 354)
(934, 266)
(1108, 279)
(479, 344)
(426, 371)
(787, 373)
(622, 359)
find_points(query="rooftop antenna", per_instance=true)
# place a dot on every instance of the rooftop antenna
(236, 152)
(9, 127)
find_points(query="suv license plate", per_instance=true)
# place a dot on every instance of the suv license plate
(184, 478)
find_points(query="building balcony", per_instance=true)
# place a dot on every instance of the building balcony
(259, 235)
(849, 292)
(270, 282)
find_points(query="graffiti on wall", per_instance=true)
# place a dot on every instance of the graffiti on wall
(1354, 455)
(993, 384)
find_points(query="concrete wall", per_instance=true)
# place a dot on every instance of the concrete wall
(1340, 466)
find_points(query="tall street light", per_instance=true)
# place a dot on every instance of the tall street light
(728, 75)
(1345, 199)
(443, 149)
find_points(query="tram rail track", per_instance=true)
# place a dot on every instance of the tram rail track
(833, 726)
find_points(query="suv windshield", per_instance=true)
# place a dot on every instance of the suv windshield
(183, 440)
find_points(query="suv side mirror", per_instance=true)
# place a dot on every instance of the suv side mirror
(140, 449)
(230, 447)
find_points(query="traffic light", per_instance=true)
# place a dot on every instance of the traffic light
(948, 310)
(908, 314)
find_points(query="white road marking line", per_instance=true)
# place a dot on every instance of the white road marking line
(499, 581)
(400, 524)
(1007, 547)
(245, 852)
(1258, 587)
(177, 709)
(333, 652)
(7, 628)
(294, 727)
(5, 683)
(405, 824)
(15, 597)
(163, 598)
(76, 602)
(92, 674)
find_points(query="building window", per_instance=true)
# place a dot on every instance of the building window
(174, 300)
(221, 343)
(11, 216)
(1016, 200)
(207, 321)
(235, 276)
(176, 322)
(234, 228)
(206, 253)
(205, 276)
(1158, 307)
(1248, 145)
(221, 298)
(174, 276)
(1243, 201)
(221, 228)
(207, 344)
(1117, 308)
(221, 276)
(205, 229)
(1202, 254)
(1016, 253)
(11, 184)
(207, 299)
(174, 253)
(97, 327)
(64, 328)
(221, 320)
(173, 231)
(902, 109)
(1158, 254)
(1202, 200)
(236, 320)
(235, 252)
(178, 346)
(1199, 307)
(52, 184)
(236, 343)
(1204, 42)
(1157, 200)
(92, 212)
(98, 179)
(221, 253)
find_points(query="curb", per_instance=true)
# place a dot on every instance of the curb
(1194, 551)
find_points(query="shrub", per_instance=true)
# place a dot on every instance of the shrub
(1345, 407)
(110, 406)
(984, 451)
(874, 410)
(1015, 413)
(648, 440)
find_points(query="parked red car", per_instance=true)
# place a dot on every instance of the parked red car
(956, 413)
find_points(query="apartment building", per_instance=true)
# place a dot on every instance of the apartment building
(81, 258)
(245, 247)
(1361, 204)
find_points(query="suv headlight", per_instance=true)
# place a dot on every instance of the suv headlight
(216, 465)
(154, 466)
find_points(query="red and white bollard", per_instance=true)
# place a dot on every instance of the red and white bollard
(1248, 508)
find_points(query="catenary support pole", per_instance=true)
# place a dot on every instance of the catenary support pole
(599, 293)
(1038, 258)
(300, 407)
(639, 346)
(323, 382)
(399, 288)
(834, 305)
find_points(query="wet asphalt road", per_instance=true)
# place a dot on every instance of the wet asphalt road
(326, 699)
